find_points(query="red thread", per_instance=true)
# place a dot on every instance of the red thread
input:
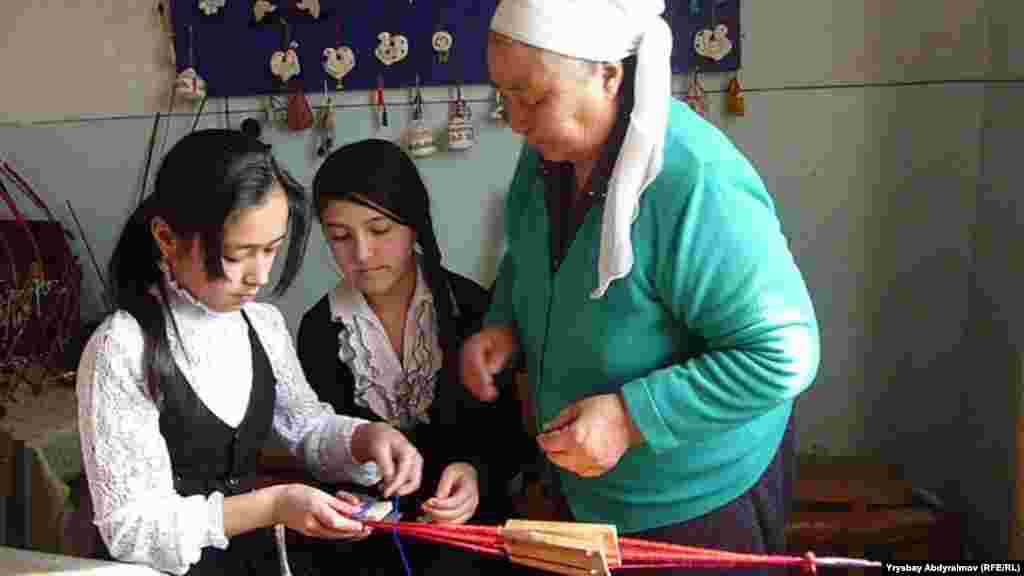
(810, 565)
(635, 553)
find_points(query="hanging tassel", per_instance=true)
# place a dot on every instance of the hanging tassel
(382, 109)
(695, 95)
(300, 115)
(735, 101)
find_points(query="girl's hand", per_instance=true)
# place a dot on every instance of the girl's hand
(457, 496)
(316, 513)
(399, 462)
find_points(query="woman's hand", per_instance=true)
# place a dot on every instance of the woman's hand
(484, 354)
(590, 436)
(316, 513)
(399, 462)
(457, 496)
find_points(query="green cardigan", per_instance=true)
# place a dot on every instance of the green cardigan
(709, 338)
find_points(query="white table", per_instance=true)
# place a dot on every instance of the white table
(19, 562)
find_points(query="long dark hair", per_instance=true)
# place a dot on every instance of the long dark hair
(378, 174)
(205, 178)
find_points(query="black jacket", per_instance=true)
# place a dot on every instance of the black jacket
(488, 435)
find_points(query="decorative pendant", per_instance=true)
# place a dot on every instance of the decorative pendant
(713, 44)
(498, 114)
(285, 63)
(338, 62)
(311, 6)
(211, 7)
(300, 116)
(392, 48)
(189, 85)
(382, 109)
(261, 8)
(442, 42)
(419, 138)
(461, 134)
(735, 102)
(695, 95)
(326, 125)
(277, 115)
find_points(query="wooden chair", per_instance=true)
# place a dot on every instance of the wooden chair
(860, 508)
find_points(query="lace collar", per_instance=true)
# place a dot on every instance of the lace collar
(398, 386)
(183, 302)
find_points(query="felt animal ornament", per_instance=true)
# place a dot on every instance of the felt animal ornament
(392, 48)
(261, 8)
(311, 6)
(284, 64)
(338, 62)
(713, 44)
(695, 96)
(461, 134)
(211, 7)
(190, 85)
(339, 59)
(735, 102)
(442, 41)
(419, 138)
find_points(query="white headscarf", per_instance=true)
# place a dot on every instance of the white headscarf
(608, 31)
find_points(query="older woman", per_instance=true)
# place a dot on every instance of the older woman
(665, 326)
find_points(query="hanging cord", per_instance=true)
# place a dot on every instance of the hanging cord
(149, 157)
(398, 541)
(199, 113)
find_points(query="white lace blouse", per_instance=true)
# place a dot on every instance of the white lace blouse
(400, 391)
(139, 515)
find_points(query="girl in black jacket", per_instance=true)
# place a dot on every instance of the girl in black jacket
(383, 345)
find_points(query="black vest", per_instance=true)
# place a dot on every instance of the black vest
(207, 455)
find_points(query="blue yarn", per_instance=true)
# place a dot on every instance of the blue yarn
(398, 541)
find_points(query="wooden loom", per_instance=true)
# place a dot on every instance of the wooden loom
(579, 549)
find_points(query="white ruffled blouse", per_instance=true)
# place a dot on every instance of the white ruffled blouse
(139, 515)
(400, 391)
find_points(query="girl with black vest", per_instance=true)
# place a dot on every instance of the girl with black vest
(181, 387)
(383, 345)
